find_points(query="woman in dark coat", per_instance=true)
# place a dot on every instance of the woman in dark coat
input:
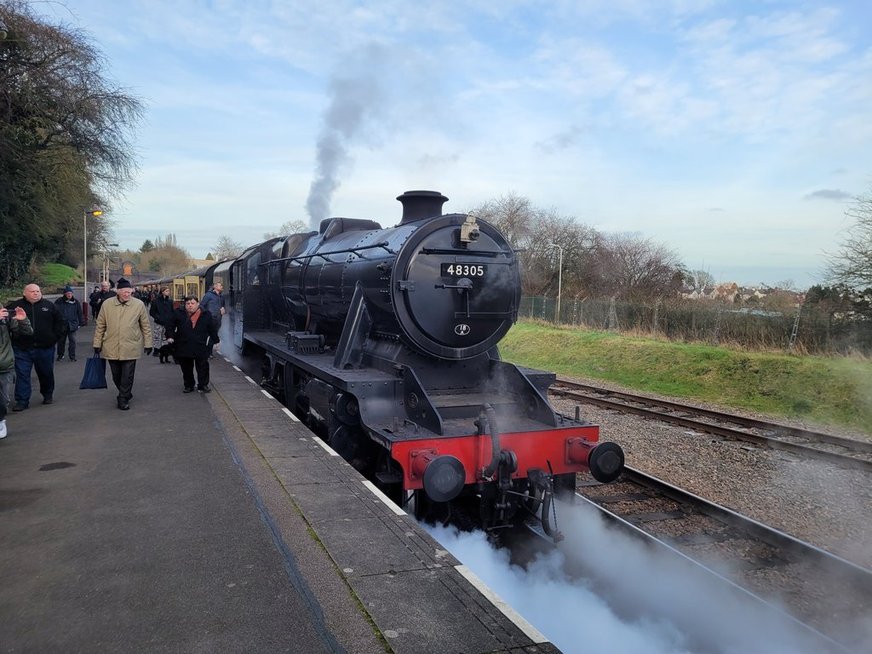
(192, 331)
(161, 311)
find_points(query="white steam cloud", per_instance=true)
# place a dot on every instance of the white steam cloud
(357, 97)
(630, 599)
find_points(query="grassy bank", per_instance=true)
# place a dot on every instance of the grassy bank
(834, 391)
(50, 276)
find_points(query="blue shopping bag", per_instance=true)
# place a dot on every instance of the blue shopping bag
(95, 373)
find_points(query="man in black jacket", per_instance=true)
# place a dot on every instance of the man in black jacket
(193, 331)
(71, 312)
(98, 300)
(35, 350)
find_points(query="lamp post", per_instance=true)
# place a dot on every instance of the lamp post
(559, 277)
(106, 261)
(85, 214)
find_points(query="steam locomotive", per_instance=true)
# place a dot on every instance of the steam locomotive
(384, 341)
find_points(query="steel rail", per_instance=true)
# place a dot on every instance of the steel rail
(859, 575)
(826, 642)
(773, 442)
(786, 430)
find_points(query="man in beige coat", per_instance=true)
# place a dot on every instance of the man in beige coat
(121, 332)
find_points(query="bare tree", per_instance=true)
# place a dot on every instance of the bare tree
(512, 214)
(227, 248)
(539, 234)
(701, 281)
(635, 268)
(289, 227)
(851, 266)
(166, 259)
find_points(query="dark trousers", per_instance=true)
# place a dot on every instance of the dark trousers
(7, 383)
(71, 337)
(187, 364)
(122, 375)
(41, 358)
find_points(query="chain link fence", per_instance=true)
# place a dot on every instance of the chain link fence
(805, 329)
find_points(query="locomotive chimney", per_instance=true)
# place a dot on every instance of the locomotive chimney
(421, 204)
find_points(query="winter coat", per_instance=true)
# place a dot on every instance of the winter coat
(46, 321)
(9, 329)
(71, 312)
(122, 329)
(212, 303)
(162, 310)
(192, 341)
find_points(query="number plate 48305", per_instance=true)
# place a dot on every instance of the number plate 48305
(463, 270)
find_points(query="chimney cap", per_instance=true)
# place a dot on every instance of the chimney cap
(418, 205)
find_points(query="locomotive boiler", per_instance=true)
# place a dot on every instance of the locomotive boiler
(385, 342)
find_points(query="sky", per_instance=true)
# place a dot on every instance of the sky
(737, 133)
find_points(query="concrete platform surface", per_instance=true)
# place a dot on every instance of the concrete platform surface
(213, 523)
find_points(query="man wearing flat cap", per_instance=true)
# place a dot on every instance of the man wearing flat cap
(121, 333)
(71, 312)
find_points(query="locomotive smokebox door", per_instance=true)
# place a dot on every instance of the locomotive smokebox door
(456, 304)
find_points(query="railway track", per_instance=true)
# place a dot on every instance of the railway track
(823, 592)
(845, 452)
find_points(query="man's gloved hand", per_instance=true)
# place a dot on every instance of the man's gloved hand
(97, 350)
(148, 351)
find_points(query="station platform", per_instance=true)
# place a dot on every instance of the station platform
(215, 523)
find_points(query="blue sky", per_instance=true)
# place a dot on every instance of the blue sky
(737, 133)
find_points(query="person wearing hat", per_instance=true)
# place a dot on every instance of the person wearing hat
(121, 332)
(71, 312)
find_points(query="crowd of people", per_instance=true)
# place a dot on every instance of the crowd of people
(129, 321)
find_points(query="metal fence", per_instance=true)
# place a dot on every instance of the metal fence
(805, 329)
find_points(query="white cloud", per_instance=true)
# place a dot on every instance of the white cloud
(628, 114)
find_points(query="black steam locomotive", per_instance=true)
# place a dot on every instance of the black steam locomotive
(385, 342)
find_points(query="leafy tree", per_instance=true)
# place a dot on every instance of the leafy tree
(63, 141)
(851, 266)
(147, 246)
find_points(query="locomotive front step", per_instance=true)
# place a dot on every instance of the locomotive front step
(468, 405)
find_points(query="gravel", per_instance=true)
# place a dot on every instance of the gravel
(818, 502)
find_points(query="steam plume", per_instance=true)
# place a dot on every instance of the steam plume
(356, 97)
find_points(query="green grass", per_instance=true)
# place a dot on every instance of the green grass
(56, 275)
(824, 390)
(51, 276)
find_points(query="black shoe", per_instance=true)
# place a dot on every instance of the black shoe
(47, 400)
(204, 389)
(19, 407)
(60, 357)
(188, 390)
(124, 406)
(72, 358)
